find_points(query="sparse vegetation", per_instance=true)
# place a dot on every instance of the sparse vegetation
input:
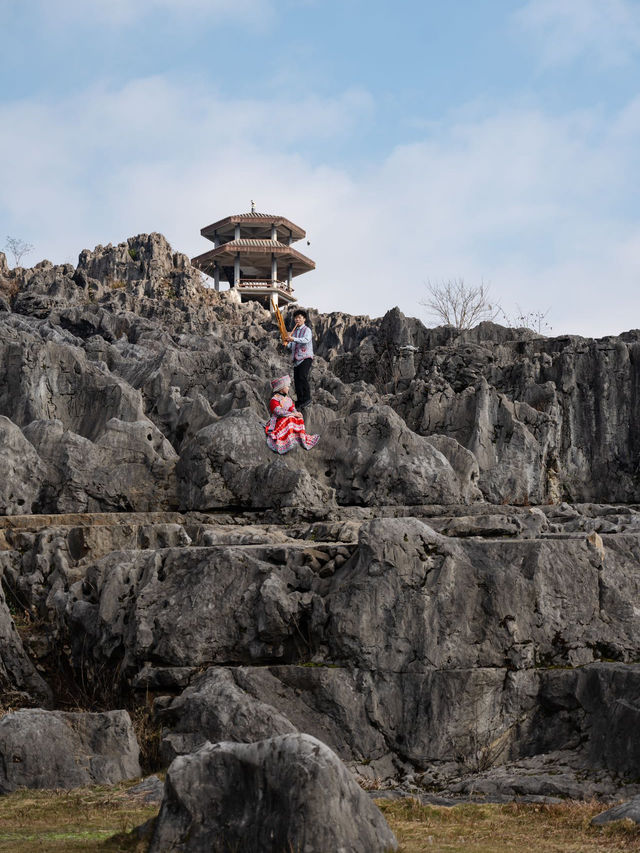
(133, 254)
(84, 819)
(454, 303)
(170, 289)
(492, 828)
(100, 818)
(18, 248)
(148, 734)
(535, 320)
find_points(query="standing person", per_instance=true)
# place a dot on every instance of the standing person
(301, 348)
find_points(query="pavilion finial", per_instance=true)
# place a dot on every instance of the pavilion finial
(253, 206)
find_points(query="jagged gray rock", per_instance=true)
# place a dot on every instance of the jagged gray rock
(45, 375)
(167, 606)
(229, 464)
(624, 811)
(288, 792)
(454, 631)
(56, 749)
(373, 458)
(246, 704)
(19, 679)
(131, 466)
(411, 598)
(22, 472)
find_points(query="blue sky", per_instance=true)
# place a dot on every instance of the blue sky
(416, 141)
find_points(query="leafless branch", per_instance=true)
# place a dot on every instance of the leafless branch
(18, 248)
(455, 303)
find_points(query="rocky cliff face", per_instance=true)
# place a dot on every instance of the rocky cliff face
(446, 585)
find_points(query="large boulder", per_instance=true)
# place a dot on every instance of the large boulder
(285, 793)
(57, 749)
(46, 375)
(228, 463)
(191, 606)
(623, 811)
(374, 458)
(130, 466)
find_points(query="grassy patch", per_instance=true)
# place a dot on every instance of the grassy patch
(63, 821)
(513, 827)
(98, 819)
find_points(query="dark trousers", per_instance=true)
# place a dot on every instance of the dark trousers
(301, 381)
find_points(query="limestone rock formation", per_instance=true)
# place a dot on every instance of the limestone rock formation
(375, 459)
(443, 590)
(19, 678)
(56, 749)
(21, 471)
(130, 467)
(286, 793)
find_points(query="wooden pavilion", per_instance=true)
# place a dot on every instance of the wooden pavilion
(253, 252)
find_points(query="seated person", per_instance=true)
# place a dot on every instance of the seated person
(285, 428)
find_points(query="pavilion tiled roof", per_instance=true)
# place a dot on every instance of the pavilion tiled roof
(255, 246)
(297, 233)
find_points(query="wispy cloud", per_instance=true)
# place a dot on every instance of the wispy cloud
(604, 31)
(538, 205)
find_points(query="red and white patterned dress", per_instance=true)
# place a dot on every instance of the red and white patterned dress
(285, 430)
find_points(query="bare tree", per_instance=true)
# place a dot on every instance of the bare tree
(457, 304)
(18, 248)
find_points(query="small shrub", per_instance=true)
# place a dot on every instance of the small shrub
(169, 289)
(149, 734)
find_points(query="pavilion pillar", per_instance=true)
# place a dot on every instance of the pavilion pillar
(274, 233)
(216, 276)
(236, 235)
(236, 270)
(289, 275)
(274, 268)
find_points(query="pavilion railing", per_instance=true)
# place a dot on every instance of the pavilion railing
(260, 284)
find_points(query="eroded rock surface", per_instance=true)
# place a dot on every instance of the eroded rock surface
(289, 792)
(54, 749)
(443, 590)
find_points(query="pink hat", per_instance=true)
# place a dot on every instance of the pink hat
(282, 382)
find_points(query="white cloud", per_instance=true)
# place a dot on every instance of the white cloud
(607, 31)
(541, 207)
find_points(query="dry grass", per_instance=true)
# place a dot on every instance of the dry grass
(85, 819)
(96, 819)
(148, 734)
(500, 828)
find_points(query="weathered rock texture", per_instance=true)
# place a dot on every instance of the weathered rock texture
(444, 590)
(285, 793)
(624, 811)
(53, 749)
